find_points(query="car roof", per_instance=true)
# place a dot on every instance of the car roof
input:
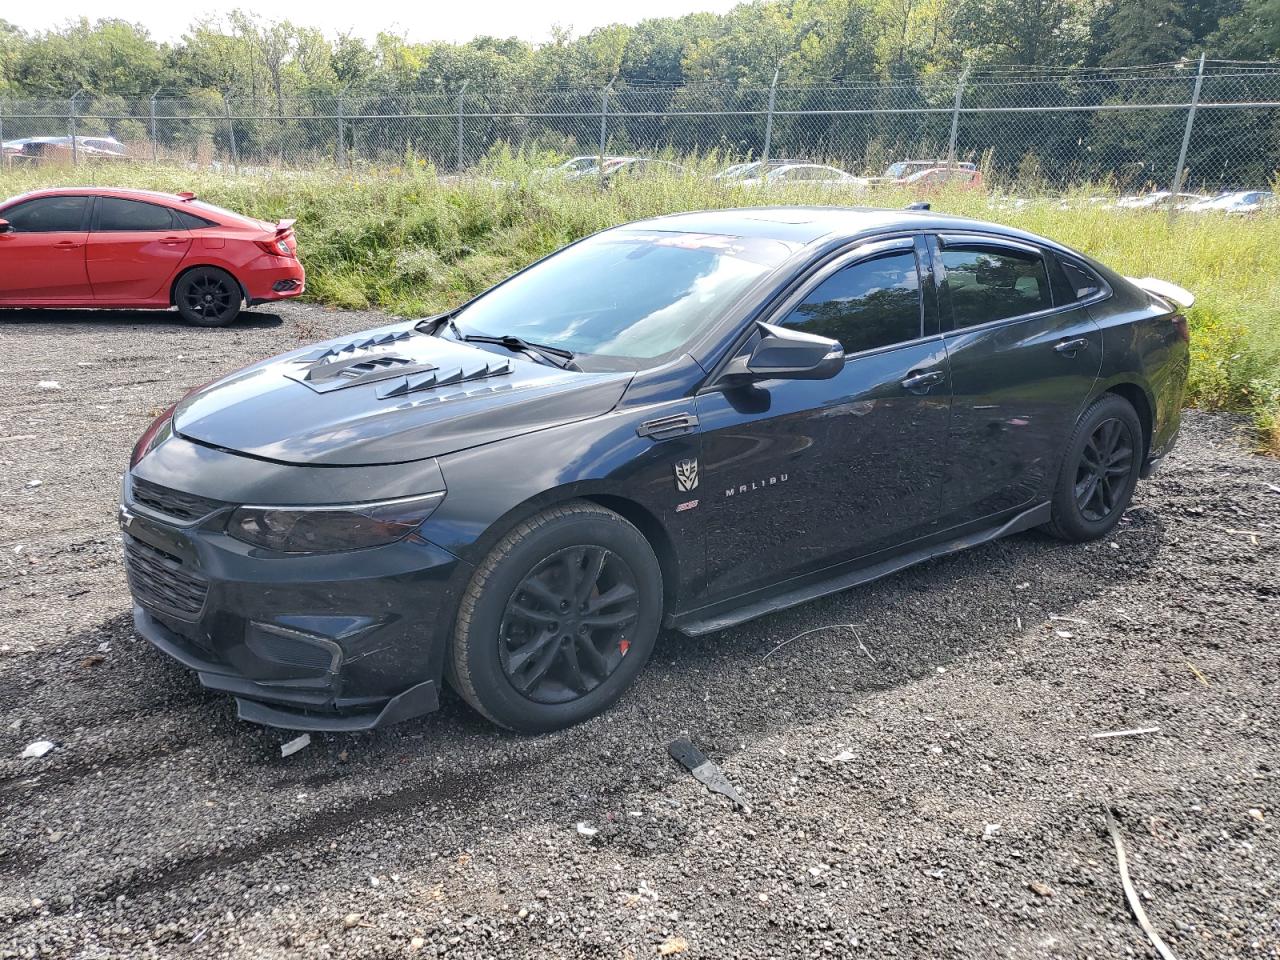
(806, 225)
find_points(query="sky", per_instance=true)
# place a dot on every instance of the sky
(417, 20)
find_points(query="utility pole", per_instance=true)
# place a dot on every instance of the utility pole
(1180, 173)
(768, 120)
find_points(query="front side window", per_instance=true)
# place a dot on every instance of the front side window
(868, 304)
(987, 285)
(47, 215)
(631, 295)
(115, 214)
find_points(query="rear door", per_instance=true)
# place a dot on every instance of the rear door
(42, 256)
(134, 250)
(798, 475)
(1024, 357)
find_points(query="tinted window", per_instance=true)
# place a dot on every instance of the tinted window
(988, 285)
(116, 214)
(47, 214)
(1082, 282)
(869, 304)
(191, 221)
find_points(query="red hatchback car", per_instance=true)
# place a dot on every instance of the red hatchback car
(135, 249)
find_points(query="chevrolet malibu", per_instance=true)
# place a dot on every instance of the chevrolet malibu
(138, 250)
(683, 422)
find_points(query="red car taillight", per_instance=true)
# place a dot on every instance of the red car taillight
(278, 246)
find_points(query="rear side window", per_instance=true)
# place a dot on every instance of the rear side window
(1082, 282)
(986, 284)
(115, 214)
(868, 304)
(190, 220)
(47, 215)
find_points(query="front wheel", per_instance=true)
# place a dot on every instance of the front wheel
(1099, 471)
(208, 297)
(558, 620)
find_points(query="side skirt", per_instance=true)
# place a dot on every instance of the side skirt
(730, 613)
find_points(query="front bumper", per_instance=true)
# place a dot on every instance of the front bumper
(342, 641)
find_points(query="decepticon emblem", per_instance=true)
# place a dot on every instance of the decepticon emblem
(686, 475)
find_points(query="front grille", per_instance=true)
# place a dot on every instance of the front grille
(186, 507)
(158, 581)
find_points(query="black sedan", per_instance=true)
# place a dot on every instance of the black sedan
(683, 422)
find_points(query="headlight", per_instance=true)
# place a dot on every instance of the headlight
(160, 430)
(329, 529)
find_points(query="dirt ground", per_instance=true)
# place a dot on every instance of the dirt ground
(920, 765)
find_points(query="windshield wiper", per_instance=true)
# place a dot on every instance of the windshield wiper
(556, 356)
(553, 355)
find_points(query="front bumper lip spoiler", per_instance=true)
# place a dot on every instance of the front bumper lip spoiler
(312, 707)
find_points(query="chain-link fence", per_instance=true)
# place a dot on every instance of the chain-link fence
(1214, 123)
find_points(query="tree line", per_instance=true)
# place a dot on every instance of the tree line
(800, 41)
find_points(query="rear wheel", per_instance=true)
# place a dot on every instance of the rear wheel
(208, 297)
(558, 620)
(1099, 471)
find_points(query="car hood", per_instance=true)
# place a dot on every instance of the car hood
(389, 395)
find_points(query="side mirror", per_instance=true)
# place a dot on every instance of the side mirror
(786, 354)
(5, 226)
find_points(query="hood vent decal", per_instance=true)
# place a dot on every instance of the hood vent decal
(443, 377)
(358, 361)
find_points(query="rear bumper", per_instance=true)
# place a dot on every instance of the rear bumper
(274, 278)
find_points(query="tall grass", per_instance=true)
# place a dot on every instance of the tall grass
(413, 243)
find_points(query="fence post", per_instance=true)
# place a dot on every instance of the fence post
(231, 130)
(461, 130)
(155, 137)
(955, 116)
(71, 127)
(604, 126)
(768, 120)
(341, 154)
(1180, 172)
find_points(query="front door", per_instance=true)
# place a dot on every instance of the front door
(1022, 365)
(799, 475)
(42, 255)
(134, 250)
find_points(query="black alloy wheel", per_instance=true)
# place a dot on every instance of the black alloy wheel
(558, 619)
(208, 297)
(1102, 475)
(565, 629)
(1100, 468)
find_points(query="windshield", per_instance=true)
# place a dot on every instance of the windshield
(636, 295)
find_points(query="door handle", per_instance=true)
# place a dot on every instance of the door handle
(921, 382)
(1071, 347)
(68, 245)
(172, 241)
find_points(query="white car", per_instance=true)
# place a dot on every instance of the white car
(1158, 198)
(1241, 201)
(805, 173)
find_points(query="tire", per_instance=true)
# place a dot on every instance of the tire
(208, 297)
(1099, 471)
(518, 640)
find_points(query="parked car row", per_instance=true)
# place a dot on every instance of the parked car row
(776, 172)
(36, 150)
(1230, 202)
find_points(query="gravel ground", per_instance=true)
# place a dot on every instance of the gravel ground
(963, 817)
